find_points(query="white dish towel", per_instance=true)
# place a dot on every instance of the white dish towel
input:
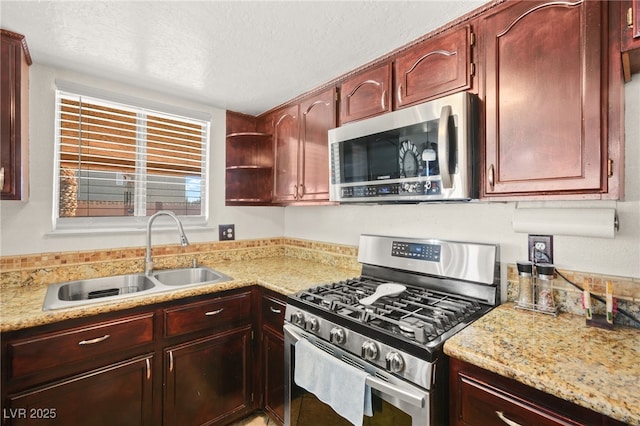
(333, 381)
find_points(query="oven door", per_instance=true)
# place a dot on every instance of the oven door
(395, 401)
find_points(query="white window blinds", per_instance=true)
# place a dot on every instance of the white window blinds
(119, 160)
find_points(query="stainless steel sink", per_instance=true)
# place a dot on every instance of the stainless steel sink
(104, 287)
(94, 290)
(189, 276)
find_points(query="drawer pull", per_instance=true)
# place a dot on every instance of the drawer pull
(148, 369)
(170, 361)
(94, 341)
(504, 418)
(216, 312)
(275, 310)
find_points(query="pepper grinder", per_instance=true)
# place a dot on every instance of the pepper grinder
(545, 292)
(525, 287)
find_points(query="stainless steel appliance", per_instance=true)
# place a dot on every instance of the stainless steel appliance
(398, 338)
(421, 153)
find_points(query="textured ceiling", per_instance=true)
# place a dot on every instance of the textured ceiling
(247, 56)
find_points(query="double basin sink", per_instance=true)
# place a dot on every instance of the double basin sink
(94, 290)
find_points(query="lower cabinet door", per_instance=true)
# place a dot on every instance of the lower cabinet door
(207, 381)
(120, 394)
(273, 350)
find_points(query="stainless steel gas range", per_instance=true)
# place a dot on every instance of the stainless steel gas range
(392, 322)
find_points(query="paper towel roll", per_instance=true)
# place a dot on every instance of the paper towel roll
(600, 223)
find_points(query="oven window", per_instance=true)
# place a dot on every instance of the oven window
(307, 410)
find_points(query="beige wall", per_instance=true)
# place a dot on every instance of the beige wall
(26, 227)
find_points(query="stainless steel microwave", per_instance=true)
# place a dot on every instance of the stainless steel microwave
(422, 153)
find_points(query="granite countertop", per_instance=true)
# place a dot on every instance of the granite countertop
(21, 307)
(591, 367)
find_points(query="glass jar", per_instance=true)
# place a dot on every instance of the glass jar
(544, 280)
(525, 284)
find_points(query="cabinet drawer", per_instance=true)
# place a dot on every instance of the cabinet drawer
(62, 350)
(481, 403)
(273, 313)
(227, 311)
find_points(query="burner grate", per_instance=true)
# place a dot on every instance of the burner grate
(417, 314)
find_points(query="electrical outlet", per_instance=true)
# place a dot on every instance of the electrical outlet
(226, 232)
(541, 248)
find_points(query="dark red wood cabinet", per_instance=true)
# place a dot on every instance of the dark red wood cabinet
(249, 162)
(286, 130)
(118, 394)
(630, 37)
(479, 397)
(366, 94)
(435, 67)
(208, 380)
(188, 362)
(301, 148)
(544, 87)
(14, 116)
(272, 337)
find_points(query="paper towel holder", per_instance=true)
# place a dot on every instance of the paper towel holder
(583, 222)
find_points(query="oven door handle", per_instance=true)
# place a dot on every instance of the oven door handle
(391, 390)
(405, 395)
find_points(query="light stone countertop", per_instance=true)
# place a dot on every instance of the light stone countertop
(21, 307)
(594, 368)
(591, 367)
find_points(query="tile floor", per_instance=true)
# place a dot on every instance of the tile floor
(258, 419)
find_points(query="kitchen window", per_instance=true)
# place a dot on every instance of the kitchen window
(120, 160)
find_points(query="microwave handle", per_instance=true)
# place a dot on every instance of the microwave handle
(443, 146)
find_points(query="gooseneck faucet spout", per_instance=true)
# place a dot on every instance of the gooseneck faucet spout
(148, 262)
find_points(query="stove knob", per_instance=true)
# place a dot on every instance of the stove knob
(298, 318)
(337, 336)
(312, 324)
(394, 362)
(369, 350)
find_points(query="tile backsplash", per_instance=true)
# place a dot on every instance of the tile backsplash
(45, 268)
(568, 298)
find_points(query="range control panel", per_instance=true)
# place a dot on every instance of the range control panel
(429, 252)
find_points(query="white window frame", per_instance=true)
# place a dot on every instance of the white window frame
(84, 225)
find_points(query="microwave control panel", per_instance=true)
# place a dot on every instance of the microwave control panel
(404, 188)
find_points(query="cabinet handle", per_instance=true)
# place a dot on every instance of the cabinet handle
(492, 177)
(275, 310)
(502, 417)
(94, 341)
(630, 18)
(399, 94)
(170, 361)
(1, 178)
(216, 312)
(300, 192)
(383, 100)
(295, 192)
(148, 369)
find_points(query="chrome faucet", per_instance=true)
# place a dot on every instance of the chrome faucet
(148, 262)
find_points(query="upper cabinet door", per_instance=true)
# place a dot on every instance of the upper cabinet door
(286, 139)
(544, 91)
(14, 116)
(366, 94)
(318, 116)
(434, 67)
